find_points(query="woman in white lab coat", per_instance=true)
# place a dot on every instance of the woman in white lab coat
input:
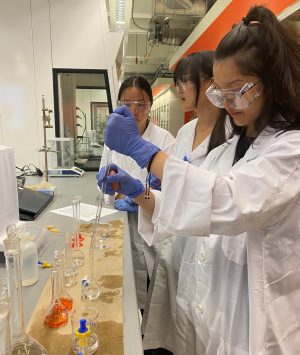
(136, 93)
(257, 80)
(192, 77)
(206, 131)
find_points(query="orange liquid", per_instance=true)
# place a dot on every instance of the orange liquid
(67, 302)
(56, 317)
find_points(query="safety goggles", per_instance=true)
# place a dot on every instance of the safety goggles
(184, 83)
(139, 106)
(238, 99)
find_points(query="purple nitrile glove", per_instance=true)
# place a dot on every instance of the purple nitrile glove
(122, 135)
(155, 183)
(126, 204)
(120, 182)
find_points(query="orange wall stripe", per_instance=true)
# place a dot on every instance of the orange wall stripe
(159, 88)
(233, 13)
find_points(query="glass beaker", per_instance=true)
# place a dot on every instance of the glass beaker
(22, 344)
(90, 314)
(57, 313)
(103, 235)
(5, 342)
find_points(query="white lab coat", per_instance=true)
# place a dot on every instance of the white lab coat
(183, 148)
(259, 195)
(142, 254)
(184, 283)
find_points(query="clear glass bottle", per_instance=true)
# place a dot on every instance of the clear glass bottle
(5, 342)
(22, 344)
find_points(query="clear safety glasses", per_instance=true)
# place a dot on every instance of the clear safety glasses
(184, 83)
(238, 99)
(138, 106)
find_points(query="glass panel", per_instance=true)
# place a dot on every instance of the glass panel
(82, 105)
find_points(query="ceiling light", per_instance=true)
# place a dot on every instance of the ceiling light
(120, 15)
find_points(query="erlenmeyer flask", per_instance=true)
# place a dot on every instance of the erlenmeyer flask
(77, 254)
(57, 314)
(22, 344)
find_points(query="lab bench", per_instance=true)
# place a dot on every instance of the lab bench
(66, 189)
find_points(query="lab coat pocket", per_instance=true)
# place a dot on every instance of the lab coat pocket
(234, 248)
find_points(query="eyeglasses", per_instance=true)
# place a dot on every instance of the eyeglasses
(238, 99)
(184, 83)
(139, 106)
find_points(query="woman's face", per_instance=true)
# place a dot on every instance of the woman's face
(227, 76)
(187, 94)
(138, 102)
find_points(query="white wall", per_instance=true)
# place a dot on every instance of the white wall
(36, 36)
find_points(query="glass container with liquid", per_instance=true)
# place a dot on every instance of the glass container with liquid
(22, 344)
(5, 342)
(29, 260)
(57, 313)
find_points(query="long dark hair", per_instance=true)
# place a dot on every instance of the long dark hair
(262, 46)
(138, 82)
(199, 66)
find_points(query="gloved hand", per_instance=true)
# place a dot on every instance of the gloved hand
(155, 183)
(126, 204)
(120, 182)
(122, 135)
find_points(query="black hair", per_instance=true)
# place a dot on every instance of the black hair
(199, 66)
(262, 46)
(138, 82)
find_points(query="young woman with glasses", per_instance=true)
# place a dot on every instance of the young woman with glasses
(256, 190)
(136, 94)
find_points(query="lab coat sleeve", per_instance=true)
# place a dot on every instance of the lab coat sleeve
(186, 199)
(147, 223)
(261, 192)
(257, 194)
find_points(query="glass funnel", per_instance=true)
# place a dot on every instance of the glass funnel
(57, 314)
(77, 254)
(5, 342)
(22, 344)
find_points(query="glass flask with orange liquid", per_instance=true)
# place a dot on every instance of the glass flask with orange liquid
(57, 314)
(64, 297)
